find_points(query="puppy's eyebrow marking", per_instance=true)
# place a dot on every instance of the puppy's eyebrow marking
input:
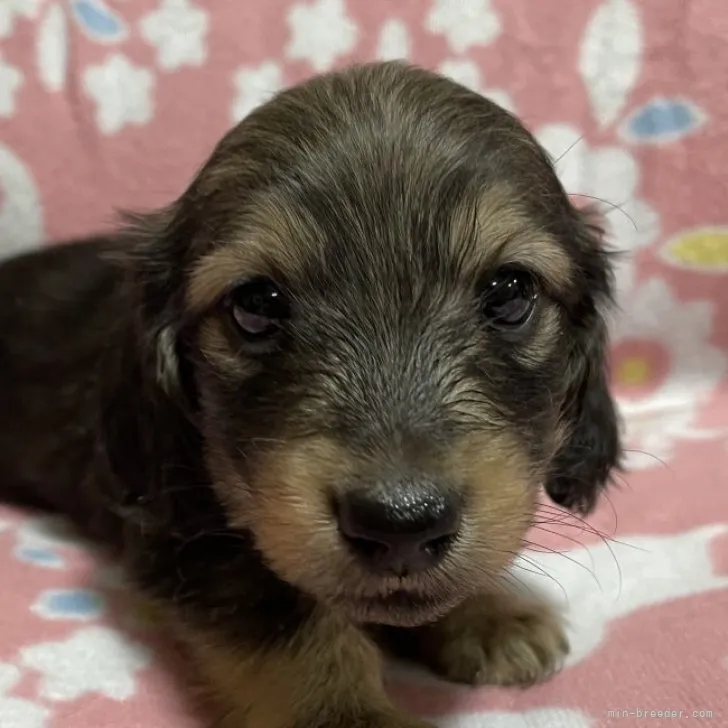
(505, 234)
(267, 241)
(214, 274)
(540, 252)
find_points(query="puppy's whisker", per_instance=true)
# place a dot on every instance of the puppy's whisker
(512, 581)
(607, 541)
(567, 518)
(559, 517)
(615, 525)
(571, 146)
(613, 206)
(591, 571)
(537, 570)
(657, 459)
(571, 539)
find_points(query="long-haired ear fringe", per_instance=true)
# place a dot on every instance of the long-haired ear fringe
(592, 452)
(154, 249)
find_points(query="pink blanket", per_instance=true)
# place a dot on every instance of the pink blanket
(117, 102)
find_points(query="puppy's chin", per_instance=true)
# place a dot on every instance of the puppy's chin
(400, 607)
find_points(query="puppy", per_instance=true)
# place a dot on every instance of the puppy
(309, 406)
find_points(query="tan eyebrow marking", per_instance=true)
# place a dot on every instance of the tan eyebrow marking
(213, 275)
(269, 240)
(505, 234)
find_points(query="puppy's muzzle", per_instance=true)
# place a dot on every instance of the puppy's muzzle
(402, 528)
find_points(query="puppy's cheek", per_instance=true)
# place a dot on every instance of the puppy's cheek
(232, 489)
(543, 343)
(291, 515)
(217, 349)
(500, 485)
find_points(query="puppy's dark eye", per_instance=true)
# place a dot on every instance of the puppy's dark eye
(258, 307)
(509, 298)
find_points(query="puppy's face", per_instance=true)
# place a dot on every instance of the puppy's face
(387, 317)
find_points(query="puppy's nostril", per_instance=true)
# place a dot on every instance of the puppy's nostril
(371, 550)
(438, 547)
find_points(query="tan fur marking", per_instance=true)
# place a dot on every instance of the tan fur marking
(506, 235)
(215, 346)
(541, 253)
(270, 239)
(500, 490)
(167, 365)
(296, 528)
(292, 520)
(213, 275)
(545, 339)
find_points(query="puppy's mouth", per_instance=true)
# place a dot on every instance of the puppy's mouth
(406, 604)
(399, 599)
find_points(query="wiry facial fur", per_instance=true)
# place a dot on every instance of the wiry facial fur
(379, 199)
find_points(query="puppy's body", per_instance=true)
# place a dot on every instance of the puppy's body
(61, 323)
(318, 394)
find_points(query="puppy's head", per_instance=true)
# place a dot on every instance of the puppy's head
(387, 317)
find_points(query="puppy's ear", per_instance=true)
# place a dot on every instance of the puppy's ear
(592, 451)
(156, 249)
(147, 429)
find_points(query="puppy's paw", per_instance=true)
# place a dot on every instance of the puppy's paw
(497, 641)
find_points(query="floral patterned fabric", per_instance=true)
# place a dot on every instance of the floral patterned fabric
(116, 103)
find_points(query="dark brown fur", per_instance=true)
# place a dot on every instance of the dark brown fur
(379, 198)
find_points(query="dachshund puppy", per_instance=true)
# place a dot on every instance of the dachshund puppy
(310, 405)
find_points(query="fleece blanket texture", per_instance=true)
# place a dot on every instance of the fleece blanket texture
(115, 103)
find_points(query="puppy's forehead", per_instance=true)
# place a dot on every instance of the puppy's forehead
(406, 185)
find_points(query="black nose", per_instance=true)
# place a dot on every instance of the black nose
(402, 529)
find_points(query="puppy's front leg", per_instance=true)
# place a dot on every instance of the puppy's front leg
(327, 676)
(493, 639)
